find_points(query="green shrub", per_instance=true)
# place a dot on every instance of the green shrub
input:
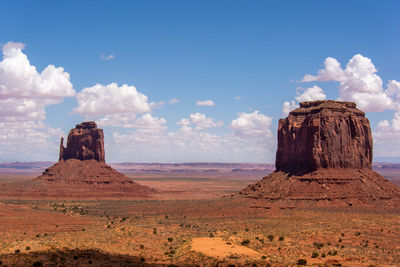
(27, 248)
(245, 242)
(17, 251)
(315, 255)
(170, 239)
(281, 238)
(270, 237)
(318, 245)
(302, 262)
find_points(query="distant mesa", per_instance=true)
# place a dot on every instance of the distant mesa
(324, 157)
(81, 172)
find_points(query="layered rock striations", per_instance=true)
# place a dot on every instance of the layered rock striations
(81, 172)
(324, 156)
(324, 134)
(84, 142)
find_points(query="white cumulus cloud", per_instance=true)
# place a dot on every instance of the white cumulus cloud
(288, 106)
(145, 121)
(309, 94)
(25, 92)
(208, 103)
(387, 137)
(200, 121)
(358, 83)
(252, 124)
(249, 141)
(109, 99)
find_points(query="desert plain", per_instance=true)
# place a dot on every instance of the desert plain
(194, 219)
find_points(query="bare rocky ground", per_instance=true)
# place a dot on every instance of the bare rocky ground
(186, 228)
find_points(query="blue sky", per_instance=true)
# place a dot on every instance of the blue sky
(247, 57)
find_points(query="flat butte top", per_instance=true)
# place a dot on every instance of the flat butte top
(329, 106)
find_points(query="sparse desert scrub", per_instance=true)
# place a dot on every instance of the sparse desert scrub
(304, 230)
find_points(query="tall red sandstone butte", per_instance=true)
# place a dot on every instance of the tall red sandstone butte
(81, 172)
(324, 156)
(85, 141)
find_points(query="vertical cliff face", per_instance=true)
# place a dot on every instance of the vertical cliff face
(84, 142)
(324, 134)
(324, 158)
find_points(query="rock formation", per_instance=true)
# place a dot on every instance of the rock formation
(324, 155)
(81, 172)
(84, 142)
(324, 134)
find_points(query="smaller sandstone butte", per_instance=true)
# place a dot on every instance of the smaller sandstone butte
(80, 172)
(324, 156)
(84, 142)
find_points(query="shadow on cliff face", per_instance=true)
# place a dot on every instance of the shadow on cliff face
(74, 257)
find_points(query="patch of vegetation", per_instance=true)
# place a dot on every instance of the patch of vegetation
(315, 255)
(170, 239)
(17, 251)
(302, 262)
(27, 248)
(281, 238)
(245, 242)
(37, 264)
(318, 245)
(270, 237)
